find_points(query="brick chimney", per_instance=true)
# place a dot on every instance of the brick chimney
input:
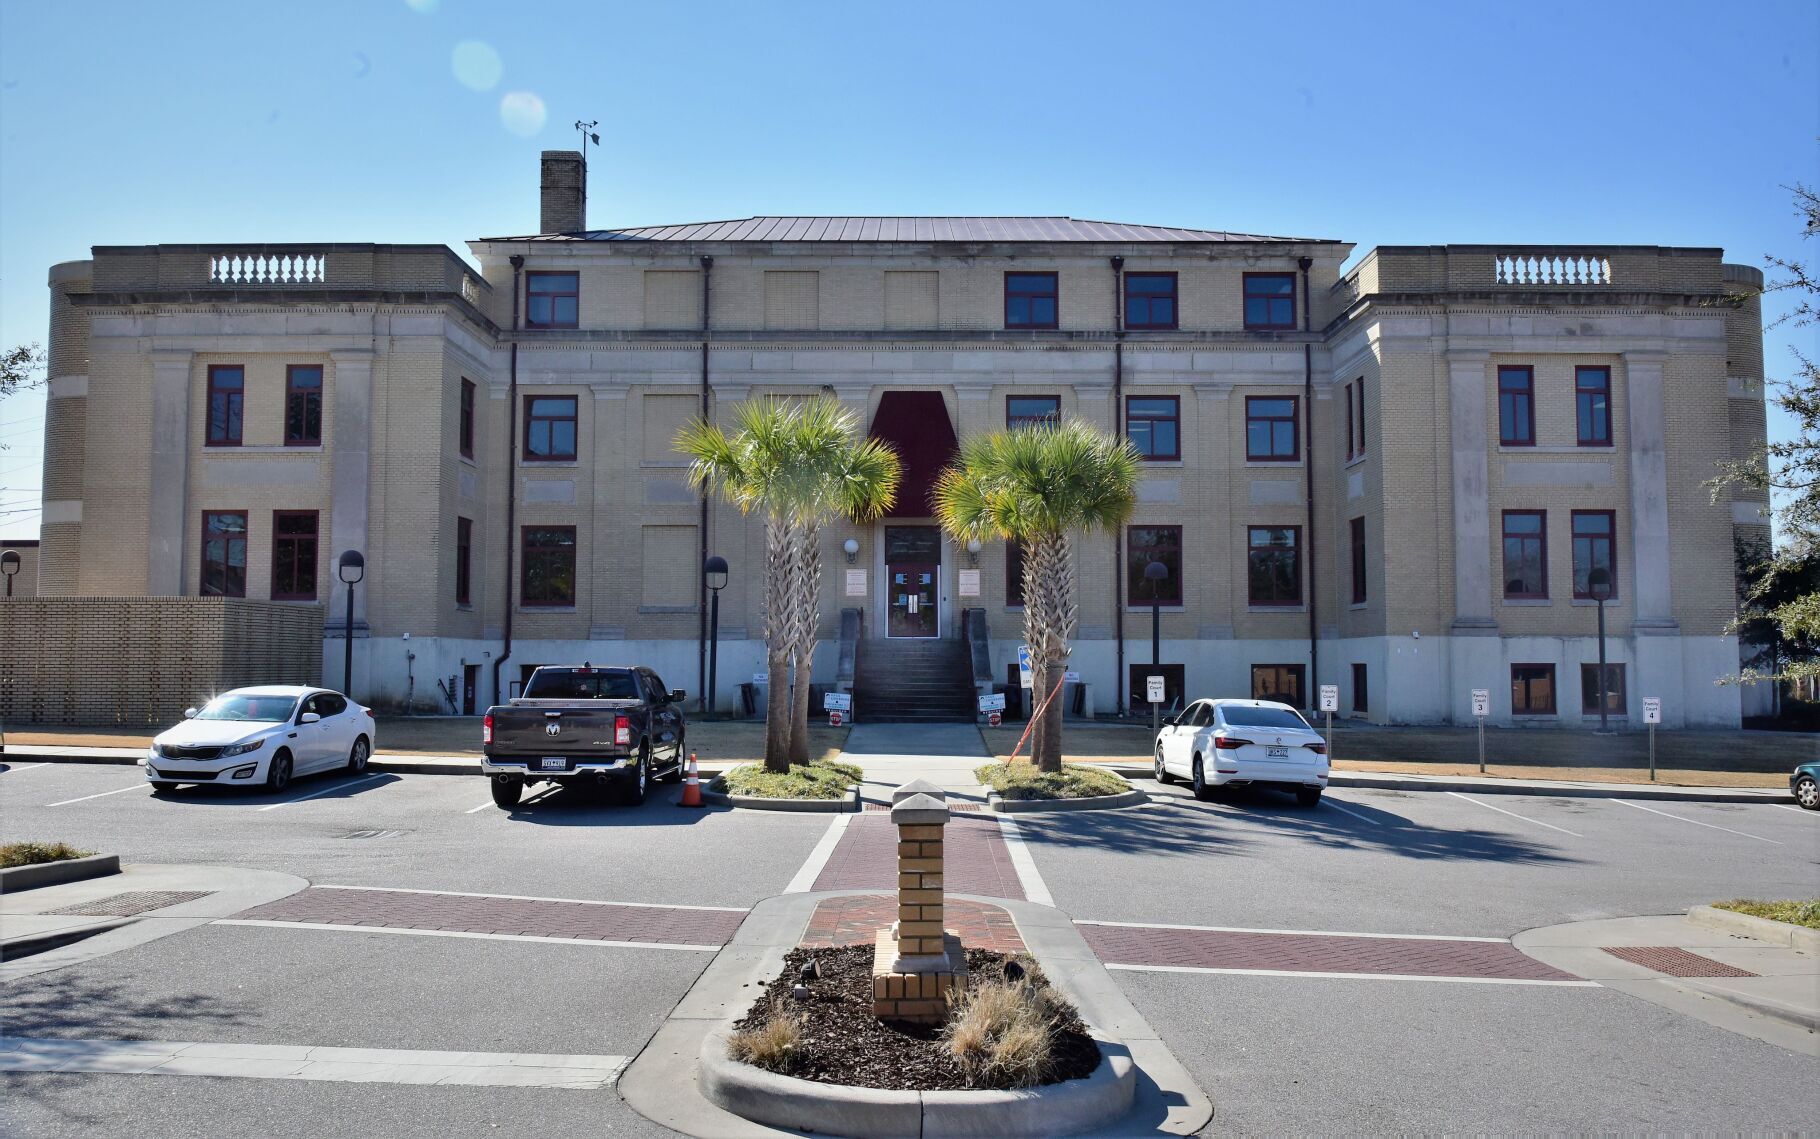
(565, 192)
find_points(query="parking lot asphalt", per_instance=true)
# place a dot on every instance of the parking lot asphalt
(1277, 1053)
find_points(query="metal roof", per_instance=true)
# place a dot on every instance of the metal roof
(971, 229)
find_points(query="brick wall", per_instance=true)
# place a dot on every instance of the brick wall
(143, 660)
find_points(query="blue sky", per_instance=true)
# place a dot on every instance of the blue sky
(415, 121)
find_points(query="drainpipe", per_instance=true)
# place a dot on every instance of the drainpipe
(701, 607)
(518, 265)
(1118, 430)
(1314, 631)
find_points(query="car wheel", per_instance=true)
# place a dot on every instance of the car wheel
(506, 791)
(641, 778)
(278, 775)
(358, 756)
(675, 774)
(1201, 790)
(1807, 793)
(1308, 796)
(1162, 773)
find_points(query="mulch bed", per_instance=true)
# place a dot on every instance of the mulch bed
(843, 1043)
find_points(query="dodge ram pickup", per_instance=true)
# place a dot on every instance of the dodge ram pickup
(587, 726)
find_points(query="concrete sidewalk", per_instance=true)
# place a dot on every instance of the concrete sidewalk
(893, 754)
(1742, 984)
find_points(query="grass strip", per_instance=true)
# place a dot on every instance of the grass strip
(1794, 912)
(32, 853)
(1074, 781)
(819, 780)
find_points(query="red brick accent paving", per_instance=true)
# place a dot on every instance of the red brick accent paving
(1675, 962)
(583, 921)
(1314, 953)
(854, 920)
(977, 861)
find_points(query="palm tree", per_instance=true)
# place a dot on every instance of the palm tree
(1038, 485)
(797, 462)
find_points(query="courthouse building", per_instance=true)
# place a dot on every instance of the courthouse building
(1410, 479)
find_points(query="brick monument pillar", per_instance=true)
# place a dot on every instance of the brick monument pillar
(918, 967)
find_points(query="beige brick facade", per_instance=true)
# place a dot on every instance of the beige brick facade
(1421, 330)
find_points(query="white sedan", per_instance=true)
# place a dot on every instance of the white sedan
(262, 737)
(1234, 743)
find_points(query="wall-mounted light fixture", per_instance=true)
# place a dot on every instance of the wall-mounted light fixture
(973, 552)
(851, 548)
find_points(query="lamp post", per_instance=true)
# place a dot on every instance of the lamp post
(1598, 583)
(714, 572)
(1156, 573)
(351, 568)
(9, 565)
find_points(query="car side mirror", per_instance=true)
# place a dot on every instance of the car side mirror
(189, 713)
(677, 696)
(308, 718)
(1169, 722)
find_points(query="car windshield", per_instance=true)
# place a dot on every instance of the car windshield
(1246, 716)
(265, 709)
(581, 684)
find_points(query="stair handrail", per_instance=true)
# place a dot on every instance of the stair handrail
(846, 667)
(976, 639)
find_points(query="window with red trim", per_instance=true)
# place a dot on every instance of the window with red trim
(302, 405)
(294, 555)
(1274, 565)
(464, 553)
(1532, 689)
(552, 300)
(1031, 300)
(1150, 301)
(465, 435)
(1270, 301)
(1526, 555)
(1595, 547)
(226, 404)
(1272, 434)
(223, 553)
(547, 568)
(1358, 561)
(549, 428)
(1592, 406)
(1517, 406)
(1146, 544)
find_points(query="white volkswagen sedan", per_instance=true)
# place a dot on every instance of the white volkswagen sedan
(262, 737)
(1235, 743)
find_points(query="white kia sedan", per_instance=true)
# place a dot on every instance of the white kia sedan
(262, 737)
(1236, 743)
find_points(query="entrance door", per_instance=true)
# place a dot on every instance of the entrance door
(470, 682)
(913, 565)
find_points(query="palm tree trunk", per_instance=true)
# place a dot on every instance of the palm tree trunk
(806, 623)
(1049, 620)
(777, 643)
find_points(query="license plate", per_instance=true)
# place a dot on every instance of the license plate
(554, 763)
(1276, 752)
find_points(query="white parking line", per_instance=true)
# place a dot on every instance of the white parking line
(104, 794)
(324, 791)
(550, 790)
(1328, 799)
(333, 927)
(1513, 814)
(23, 767)
(1298, 932)
(811, 869)
(1698, 823)
(1786, 807)
(1354, 976)
(1028, 876)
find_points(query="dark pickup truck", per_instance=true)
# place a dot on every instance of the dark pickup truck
(587, 726)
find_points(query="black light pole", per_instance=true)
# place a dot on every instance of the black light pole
(1598, 583)
(714, 571)
(9, 565)
(1156, 573)
(352, 567)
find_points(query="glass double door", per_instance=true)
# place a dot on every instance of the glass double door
(913, 565)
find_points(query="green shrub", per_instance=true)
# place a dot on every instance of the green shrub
(821, 780)
(32, 853)
(1794, 913)
(1075, 781)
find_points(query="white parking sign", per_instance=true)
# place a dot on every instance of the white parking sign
(1481, 702)
(1652, 710)
(1023, 667)
(1330, 698)
(1153, 689)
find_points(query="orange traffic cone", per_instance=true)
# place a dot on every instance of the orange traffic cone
(691, 796)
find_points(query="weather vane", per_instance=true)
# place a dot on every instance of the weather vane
(588, 134)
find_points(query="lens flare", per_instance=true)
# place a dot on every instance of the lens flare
(476, 65)
(522, 112)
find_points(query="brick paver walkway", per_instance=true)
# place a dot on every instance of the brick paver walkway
(1314, 953)
(977, 861)
(1675, 962)
(856, 920)
(581, 920)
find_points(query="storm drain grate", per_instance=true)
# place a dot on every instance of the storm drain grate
(131, 904)
(375, 834)
(1674, 962)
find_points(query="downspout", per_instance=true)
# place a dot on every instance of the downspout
(1118, 431)
(701, 560)
(1314, 642)
(518, 265)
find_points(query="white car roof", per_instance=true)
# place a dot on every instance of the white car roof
(1227, 702)
(271, 690)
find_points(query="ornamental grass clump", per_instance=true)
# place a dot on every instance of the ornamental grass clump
(32, 853)
(1802, 913)
(1003, 1033)
(1020, 780)
(820, 780)
(775, 1045)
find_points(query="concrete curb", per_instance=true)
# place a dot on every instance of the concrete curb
(16, 878)
(1066, 1108)
(1490, 785)
(715, 794)
(997, 802)
(1763, 929)
(662, 1085)
(30, 944)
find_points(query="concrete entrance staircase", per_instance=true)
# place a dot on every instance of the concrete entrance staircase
(908, 681)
